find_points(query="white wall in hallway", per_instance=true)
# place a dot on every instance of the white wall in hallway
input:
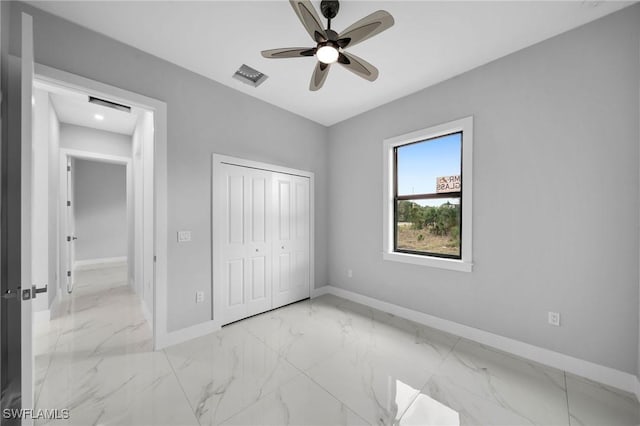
(100, 208)
(140, 212)
(94, 140)
(55, 237)
(40, 196)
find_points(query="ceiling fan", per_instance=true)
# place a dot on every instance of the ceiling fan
(329, 44)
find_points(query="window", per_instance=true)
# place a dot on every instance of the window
(427, 214)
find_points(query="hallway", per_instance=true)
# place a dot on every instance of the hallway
(95, 358)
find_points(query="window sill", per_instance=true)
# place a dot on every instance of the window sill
(435, 262)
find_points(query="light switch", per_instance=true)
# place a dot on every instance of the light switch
(184, 236)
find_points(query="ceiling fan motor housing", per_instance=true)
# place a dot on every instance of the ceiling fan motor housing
(329, 8)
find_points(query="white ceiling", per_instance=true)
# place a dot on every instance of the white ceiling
(74, 108)
(431, 41)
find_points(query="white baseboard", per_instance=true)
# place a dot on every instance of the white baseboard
(146, 313)
(320, 291)
(599, 373)
(188, 333)
(80, 265)
(42, 316)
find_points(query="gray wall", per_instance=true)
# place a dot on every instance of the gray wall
(555, 200)
(203, 117)
(100, 209)
(94, 140)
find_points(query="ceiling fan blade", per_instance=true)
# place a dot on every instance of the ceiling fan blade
(289, 52)
(358, 66)
(310, 19)
(365, 28)
(319, 76)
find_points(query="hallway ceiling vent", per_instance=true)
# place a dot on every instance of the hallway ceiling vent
(250, 76)
(109, 104)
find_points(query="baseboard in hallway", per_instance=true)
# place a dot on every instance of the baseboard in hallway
(105, 262)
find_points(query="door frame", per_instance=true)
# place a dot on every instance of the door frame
(65, 155)
(84, 85)
(217, 219)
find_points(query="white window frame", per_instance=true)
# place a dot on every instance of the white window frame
(464, 125)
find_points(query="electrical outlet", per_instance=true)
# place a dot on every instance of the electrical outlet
(554, 318)
(199, 296)
(350, 273)
(184, 236)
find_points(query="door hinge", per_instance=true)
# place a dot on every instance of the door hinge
(68, 203)
(68, 273)
(68, 238)
(68, 168)
(155, 258)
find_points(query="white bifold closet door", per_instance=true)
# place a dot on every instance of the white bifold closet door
(290, 239)
(246, 252)
(265, 249)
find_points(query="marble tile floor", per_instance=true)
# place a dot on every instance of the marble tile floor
(326, 361)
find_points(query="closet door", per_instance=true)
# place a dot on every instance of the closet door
(291, 239)
(246, 254)
(258, 246)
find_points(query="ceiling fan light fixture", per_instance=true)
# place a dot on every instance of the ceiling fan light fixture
(330, 45)
(327, 54)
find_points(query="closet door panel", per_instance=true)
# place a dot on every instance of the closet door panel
(258, 278)
(233, 248)
(258, 250)
(291, 264)
(284, 208)
(235, 209)
(235, 279)
(258, 191)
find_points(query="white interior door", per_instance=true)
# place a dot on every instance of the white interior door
(246, 251)
(26, 262)
(291, 267)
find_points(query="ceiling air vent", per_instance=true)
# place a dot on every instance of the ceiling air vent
(248, 75)
(109, 104)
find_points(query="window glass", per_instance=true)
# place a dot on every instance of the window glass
(429, 226)
(428, 206)
(421, 163)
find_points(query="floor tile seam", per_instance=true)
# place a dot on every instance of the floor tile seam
(418, 393)
(263, 395)
(51, 355)
(304, 372)
(280, 357)
(485, 398)
(450, 351)
(448, 354)
(566, 390)
(44, 379)
(334, 396)
(173, 370)
(279, 351)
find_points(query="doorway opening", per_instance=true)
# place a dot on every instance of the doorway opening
(94, 214)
